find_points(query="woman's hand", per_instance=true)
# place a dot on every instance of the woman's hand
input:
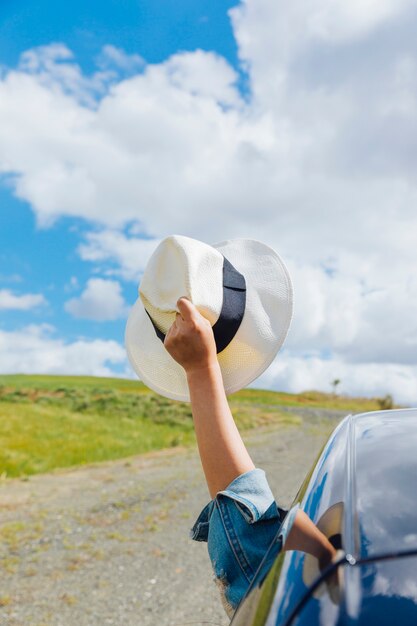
(190, 340)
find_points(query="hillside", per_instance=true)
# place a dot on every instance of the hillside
(50, 422)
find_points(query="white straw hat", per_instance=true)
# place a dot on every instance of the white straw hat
(241, 286)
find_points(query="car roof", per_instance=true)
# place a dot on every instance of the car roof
(381, 483)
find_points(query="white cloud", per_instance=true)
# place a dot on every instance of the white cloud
(102, 300)
(53, 67)
(11, 301)
(354, 315)
(297, 373)
(130, 254)
(72, 285)
(338, 20)
(34, 349)
(162, 149)
(120, 162)
(203, 74)
(111, 55)
(405, 586)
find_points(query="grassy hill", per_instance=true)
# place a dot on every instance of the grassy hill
(49, 422)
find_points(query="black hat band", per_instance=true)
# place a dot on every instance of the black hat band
(233, 308)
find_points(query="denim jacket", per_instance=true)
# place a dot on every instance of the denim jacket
(239, 525)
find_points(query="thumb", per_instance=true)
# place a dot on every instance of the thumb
(186, 308)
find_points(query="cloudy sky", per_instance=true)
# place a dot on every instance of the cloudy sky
(293, 123)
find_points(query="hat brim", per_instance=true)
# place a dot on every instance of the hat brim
(265, 324)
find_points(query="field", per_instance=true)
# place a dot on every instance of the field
(51, 422)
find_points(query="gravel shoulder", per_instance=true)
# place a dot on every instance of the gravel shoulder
(108, 543)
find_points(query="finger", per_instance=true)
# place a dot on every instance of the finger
(174, 326)
(186, 308)
(171, 334)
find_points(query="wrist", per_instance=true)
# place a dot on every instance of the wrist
(206, 369)
(326, 557)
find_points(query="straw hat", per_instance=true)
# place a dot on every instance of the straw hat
(241, 286)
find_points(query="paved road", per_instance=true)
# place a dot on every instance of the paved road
(108, 544)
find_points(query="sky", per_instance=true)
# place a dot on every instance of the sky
(123, 122)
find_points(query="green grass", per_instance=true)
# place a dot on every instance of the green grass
(49, 422)
(313, 399)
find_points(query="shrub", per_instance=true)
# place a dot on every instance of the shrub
(386, 403)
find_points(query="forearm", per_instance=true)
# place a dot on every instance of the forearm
(222, 451)
(305, 536)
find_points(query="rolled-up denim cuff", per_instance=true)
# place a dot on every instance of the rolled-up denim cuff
(199, 532)
(250, 489)
(252, 494)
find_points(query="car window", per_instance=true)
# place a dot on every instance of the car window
(375, 593)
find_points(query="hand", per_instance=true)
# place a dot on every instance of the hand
(190, 340)
(327, 554)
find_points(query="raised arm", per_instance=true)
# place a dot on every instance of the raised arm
(190, 342)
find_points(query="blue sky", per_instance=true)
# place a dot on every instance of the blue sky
(123, 122)
(154, 30)
(44, 260)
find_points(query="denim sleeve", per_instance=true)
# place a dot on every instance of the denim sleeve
(239, 525)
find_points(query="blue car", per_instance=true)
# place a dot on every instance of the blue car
(362, 494)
